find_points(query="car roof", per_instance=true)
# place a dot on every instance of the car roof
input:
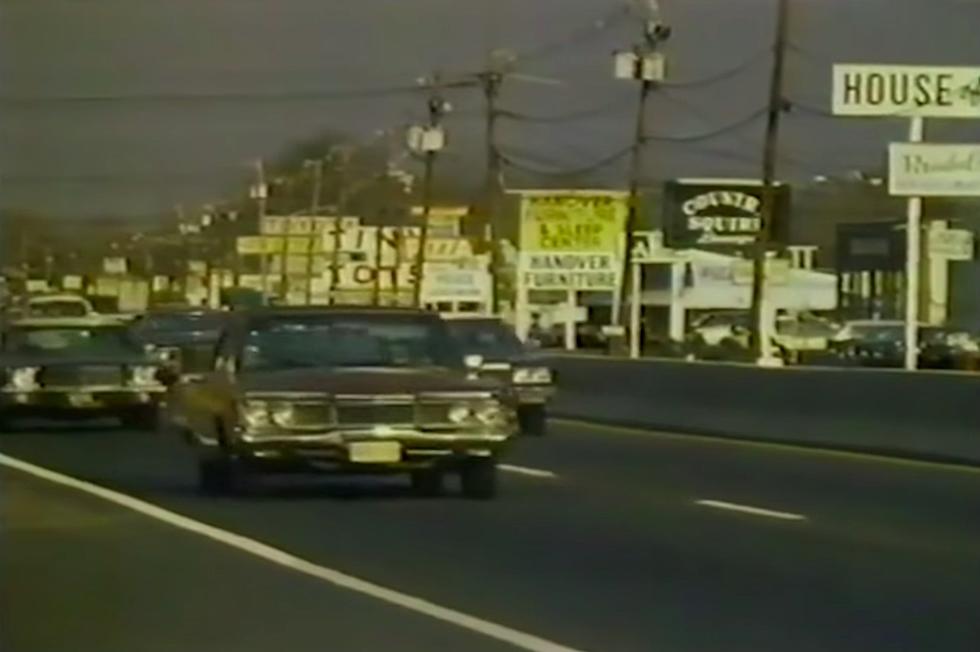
(471, 319)
(51, 298)
(277, 312)
(69, 322)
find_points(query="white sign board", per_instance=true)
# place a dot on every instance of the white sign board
(906, 91)
(570, 271)
(951, 244)
(442, 283)
(72, 282)
(933, 170)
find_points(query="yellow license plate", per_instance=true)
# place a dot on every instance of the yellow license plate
(375, 452)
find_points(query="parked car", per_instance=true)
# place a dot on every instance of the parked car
(345, 390)
(78, 368)
(881, 343)
(799, 336)
(182, 337)
(58, 305)
(507, 359)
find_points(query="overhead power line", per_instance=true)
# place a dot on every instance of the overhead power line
(517, 163)
(714, 78)
(314, 95)
(709, 134)
(584, 114)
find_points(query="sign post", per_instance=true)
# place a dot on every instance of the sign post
(913, 251)
(916, 92)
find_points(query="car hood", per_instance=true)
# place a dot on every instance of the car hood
(35, 360)
(180, 338)
(363, 381)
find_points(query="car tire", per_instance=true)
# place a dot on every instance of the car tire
(479, 479)
(221, 475)
(533, 420)
(214, 475)
(428, 483)
(144, 418)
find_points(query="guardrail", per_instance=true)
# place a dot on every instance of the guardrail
(926, 415)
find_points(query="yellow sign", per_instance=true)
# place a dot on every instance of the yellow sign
(573, 221)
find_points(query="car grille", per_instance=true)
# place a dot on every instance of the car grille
(81, 376)
(376, 414)
(502, 375)
(306, 415)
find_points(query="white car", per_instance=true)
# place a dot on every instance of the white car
(59, 305)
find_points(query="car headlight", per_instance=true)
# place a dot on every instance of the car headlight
(281, 413)
(532, 376)
(491, 414)
(460, 414)
(254, 414)
(23, 379)
(143, 376)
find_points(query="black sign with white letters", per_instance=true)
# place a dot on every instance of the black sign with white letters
(719, 215)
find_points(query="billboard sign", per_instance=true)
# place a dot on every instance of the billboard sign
(572, 240)
(931, 170)
(446, 283)
(873, 90)
(951, 244)
(871, 246)
(705, 213)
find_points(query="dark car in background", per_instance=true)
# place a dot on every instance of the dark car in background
(182, 337)
(78, 368)
(348, 391)
(505, 358)
(881, 343)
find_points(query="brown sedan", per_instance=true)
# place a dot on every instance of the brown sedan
(345, 390)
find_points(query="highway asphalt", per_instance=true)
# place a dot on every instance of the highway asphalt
(603, 539)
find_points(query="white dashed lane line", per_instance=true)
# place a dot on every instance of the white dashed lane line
(748, 509)
(528, 471)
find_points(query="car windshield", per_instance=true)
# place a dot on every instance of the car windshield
(489, 338)
(349, 341)
(181, 322)
(877, 332)
(69, 340)
(66, 308)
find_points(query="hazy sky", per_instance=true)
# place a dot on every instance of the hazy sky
(141, 145)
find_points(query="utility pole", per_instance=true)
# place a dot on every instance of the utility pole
(644, 63)
(491, 80)
(428, 141)
(761, 314)
(311, 248)
(337, 153)
(260, 193)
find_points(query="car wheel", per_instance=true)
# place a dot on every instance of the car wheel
(428, 482)
(533, 420)
(221, 475)
(144, 418)
(214, 475)
(479, 478)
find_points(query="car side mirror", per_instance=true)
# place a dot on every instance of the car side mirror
(473, 362)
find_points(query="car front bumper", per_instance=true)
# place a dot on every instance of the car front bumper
(373, 451)
(77, 400)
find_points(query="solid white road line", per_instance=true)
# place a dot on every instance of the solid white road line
(748, 509)
(281, 558)
(528, 471)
